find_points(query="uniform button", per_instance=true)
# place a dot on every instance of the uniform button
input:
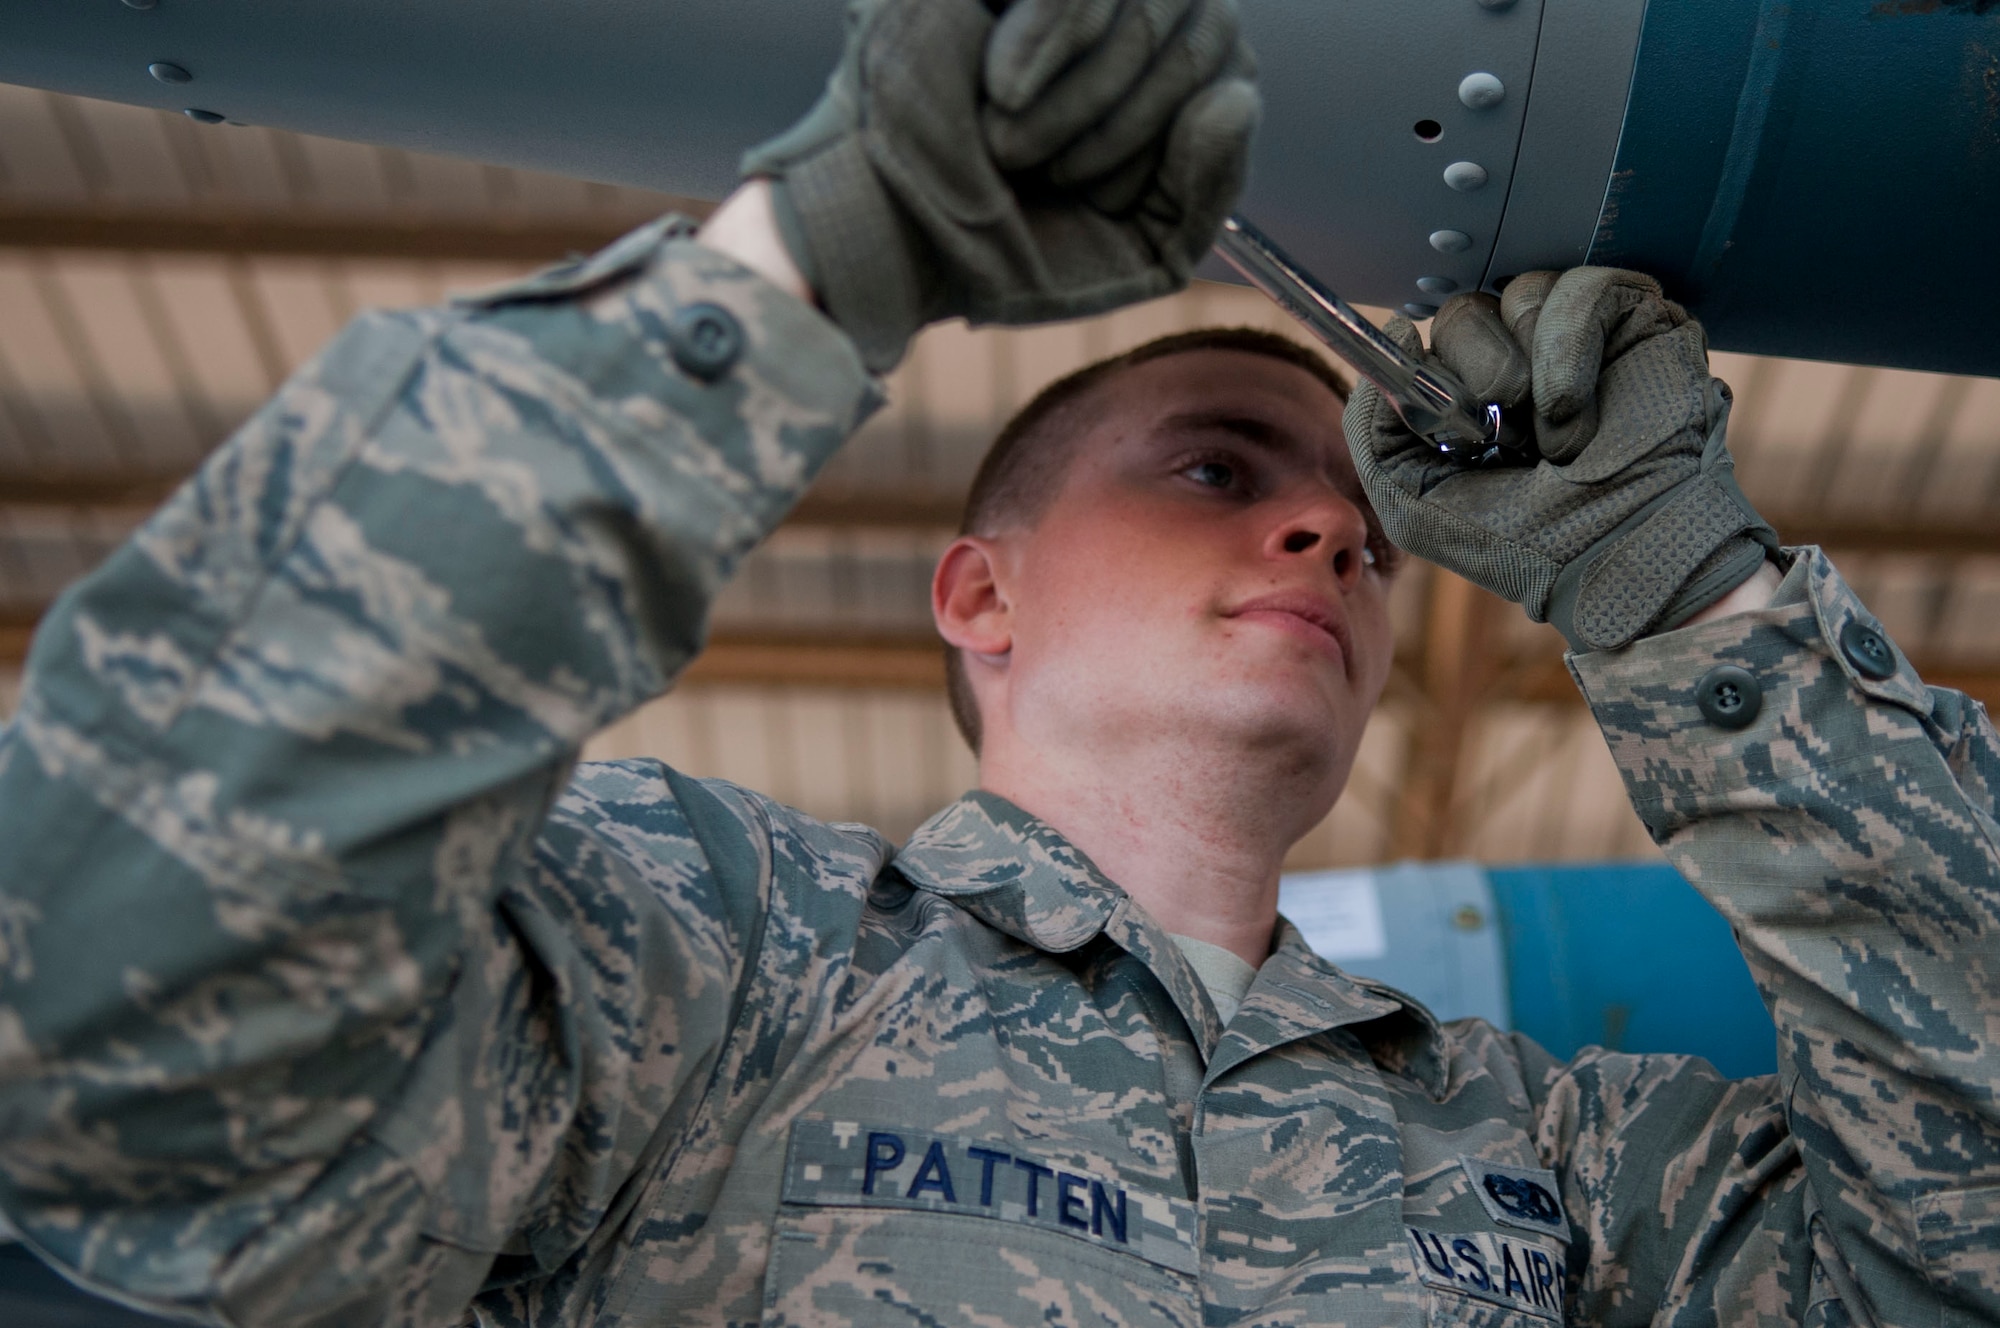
(1730, 697)
(705, 341)
(1867, 650)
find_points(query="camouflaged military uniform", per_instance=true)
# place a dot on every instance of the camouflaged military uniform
(331, 994)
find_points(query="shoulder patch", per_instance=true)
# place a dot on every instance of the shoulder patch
(1524, 1197)
(1506, 1270)
(852, 1164)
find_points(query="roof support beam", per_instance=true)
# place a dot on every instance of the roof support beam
(1452, 683)
(779, 660)
(930, 511)
(14, 638)
(1453, 673)
(763, 659)
(142, 493)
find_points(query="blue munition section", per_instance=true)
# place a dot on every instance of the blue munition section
(1817, 177)
(1628, 956)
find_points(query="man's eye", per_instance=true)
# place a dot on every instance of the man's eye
(1215, 474)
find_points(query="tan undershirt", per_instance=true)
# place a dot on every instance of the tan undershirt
(1223, 972)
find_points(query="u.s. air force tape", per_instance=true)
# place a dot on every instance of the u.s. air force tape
(1506, 1270)
(1524, 1197)
(852, 1164)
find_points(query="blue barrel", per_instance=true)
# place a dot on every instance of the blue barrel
(1616, 954)
(1628, 956)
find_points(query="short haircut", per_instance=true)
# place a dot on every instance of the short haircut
(1025, 468)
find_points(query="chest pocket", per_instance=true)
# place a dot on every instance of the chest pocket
(882, 1225)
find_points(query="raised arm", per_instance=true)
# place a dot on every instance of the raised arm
(276, 762)
(308, 1011)
(1841, 818)
(1835, 810)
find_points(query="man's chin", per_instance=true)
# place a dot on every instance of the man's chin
(1311, 708)
(1262, 699)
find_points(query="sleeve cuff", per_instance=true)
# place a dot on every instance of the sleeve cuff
(1679, 722)
(705, 340)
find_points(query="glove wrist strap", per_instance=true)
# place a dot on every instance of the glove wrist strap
(844, 220)
(1729, 567)
(1659, 567)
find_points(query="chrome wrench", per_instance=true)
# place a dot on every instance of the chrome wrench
(1430, 400)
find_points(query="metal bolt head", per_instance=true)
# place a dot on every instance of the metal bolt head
(1416, 310)
(1496, 4)
(1465, 176)
(1436, 285)
(141, 4)
(1481, 91)
(168, 72)
(204, 117)
(1469, 917)
(1450, 242)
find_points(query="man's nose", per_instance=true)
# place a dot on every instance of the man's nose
(1332, 529)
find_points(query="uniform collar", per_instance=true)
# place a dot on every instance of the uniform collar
(1016, 873)
(1012, 871)
(1298, 993)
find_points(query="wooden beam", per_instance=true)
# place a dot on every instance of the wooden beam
(909, 662)
(14, 638)
(932, 511)
(919, 511)
(797, 660)
(1980, 682)
(916, 662)
(87, 490)
(304, 234)
(1543, 681)
(1452, 672)
(1976, 540)
(93, 491)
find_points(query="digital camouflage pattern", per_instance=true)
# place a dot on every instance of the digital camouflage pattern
(331, 993)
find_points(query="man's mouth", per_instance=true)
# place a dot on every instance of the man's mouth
(1313, 617)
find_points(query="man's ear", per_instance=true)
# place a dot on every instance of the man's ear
(969, 598)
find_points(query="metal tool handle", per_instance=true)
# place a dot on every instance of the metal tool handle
(1430, 400)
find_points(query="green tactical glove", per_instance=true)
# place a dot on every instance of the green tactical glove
(1631, 521)
(1066, 158)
